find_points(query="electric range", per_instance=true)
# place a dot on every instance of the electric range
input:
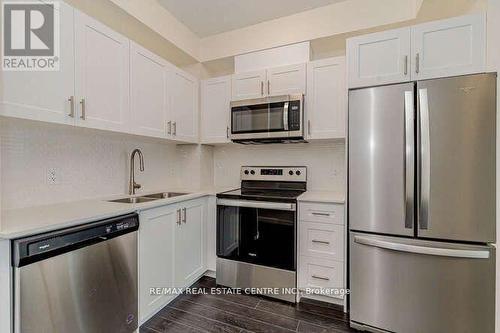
(257, 231)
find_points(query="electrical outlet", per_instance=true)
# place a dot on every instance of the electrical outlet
(53, 176)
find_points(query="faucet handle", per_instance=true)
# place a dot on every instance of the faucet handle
(137, 186)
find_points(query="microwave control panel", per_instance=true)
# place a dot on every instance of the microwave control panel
(294, 115)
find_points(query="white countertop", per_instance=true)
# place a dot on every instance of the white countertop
(323, 196)
(24, 222)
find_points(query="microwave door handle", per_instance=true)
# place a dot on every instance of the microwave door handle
(285, 116)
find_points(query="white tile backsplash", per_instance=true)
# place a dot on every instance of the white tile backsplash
(90, 163)
(325, 162)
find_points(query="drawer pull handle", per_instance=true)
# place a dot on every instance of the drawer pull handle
(321, 214)
(320, 241)
(320, 278)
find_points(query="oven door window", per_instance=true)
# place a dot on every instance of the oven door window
(259, 236)
(258, 118)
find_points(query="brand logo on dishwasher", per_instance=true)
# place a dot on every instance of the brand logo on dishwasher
(44, 247)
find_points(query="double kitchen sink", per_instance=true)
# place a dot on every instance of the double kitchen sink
(148, 198)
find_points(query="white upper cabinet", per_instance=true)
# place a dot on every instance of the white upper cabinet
(183, 109)
(148, 92)
(449, 47)
(248, 85)
(379, 58)
(44, 96)
(215, 110)
(276, 81)
(326, 99)
(286, 80)
(102, 75)
(190, 243)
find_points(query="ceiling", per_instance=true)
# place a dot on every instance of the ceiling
(211, 17)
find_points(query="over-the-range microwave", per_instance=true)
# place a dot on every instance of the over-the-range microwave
(274, 119)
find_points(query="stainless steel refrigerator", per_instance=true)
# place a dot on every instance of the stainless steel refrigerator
(422, 206)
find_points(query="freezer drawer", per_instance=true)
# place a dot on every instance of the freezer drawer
(407, 285)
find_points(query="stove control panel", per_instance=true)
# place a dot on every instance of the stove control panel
(292, 174)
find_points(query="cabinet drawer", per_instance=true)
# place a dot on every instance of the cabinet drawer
(321, 274)
(321, 212)
(321, 240)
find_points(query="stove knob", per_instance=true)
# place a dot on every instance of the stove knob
(290, 172)
(246, 172)
(252, 172)
(297, 173)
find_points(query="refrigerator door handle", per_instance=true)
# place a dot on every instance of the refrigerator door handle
(425, 159)
(409, 158)
(432, 251)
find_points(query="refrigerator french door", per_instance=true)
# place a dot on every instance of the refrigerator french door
(422, 205)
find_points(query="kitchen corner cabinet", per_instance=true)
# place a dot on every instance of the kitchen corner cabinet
(283, 80)
(148, 92)
(156, 258)
(101, 75)
(171, 251)
(183, 107)
(450, 47)
(44, 96)
(215, 110)
(326, 99)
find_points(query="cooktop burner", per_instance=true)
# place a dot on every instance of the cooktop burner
(277, 184)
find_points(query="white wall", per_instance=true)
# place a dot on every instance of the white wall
(325, 163)
(320, 22)
(89, 163)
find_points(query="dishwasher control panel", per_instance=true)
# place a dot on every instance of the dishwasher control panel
(31, 249)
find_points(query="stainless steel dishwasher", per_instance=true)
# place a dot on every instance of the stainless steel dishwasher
(79, 280)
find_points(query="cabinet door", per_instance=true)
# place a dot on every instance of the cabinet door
(44, 96)
(286, 80)
(456, 46)
(183, 106)
(156, 258)
(379, 58)
(148, 92)
(189, 243)
(248, 85)
(215, 110)
(326, 100)
(102, 75)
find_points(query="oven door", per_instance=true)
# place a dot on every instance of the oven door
(262, 233)
(272, 117)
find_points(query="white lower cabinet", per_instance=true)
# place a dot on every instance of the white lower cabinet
(189, 243)
(171, 252)
(321, 261)
(156, 258)
(322, 275)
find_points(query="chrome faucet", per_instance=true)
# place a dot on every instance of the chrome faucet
(132, 184)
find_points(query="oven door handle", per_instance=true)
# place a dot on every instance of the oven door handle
(257, 204)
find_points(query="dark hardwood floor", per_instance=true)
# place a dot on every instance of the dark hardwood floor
(245, 313)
